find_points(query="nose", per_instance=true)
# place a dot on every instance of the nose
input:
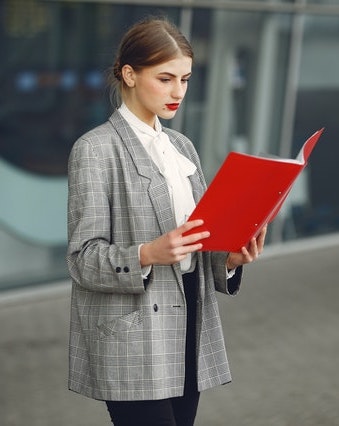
(178, 90)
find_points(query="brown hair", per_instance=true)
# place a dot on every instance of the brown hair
(147, 43)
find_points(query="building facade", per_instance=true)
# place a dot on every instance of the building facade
(265, 77)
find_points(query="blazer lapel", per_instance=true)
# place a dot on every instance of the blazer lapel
(197, 188)
(157, 189)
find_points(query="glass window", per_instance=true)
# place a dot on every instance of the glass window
(244, 76)
(238, 83)
(248, 64)
(316, 107)
(54, 58)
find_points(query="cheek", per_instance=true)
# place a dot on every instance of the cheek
(156, 89)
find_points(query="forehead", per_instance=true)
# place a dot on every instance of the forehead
(180, 65)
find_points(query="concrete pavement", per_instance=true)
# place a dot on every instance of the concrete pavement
(282, 334)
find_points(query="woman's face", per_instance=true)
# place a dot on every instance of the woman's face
(158, 90)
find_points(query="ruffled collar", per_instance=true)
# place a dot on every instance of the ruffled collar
(158, 145)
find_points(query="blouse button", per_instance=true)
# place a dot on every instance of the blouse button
(155, 307)
(126, 269)
(118, 269)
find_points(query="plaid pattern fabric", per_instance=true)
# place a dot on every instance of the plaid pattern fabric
(127, 335)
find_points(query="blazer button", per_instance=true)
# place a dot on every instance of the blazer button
(118, 269)
(126, 269)
(155, 307)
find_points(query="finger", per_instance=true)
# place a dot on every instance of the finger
(245, 251)
(193, 238)
(264, 229)
(254, 251)
(251, 252)
(187, 226)
(191, 248)
(261, 239)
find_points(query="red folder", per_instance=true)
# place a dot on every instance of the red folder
(246, 193)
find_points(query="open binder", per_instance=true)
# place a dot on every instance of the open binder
(246, 193)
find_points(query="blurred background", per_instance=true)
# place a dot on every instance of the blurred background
(265, 77)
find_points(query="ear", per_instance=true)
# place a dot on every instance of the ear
(128, 75)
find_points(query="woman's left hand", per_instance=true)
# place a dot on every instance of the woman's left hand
(249, 254)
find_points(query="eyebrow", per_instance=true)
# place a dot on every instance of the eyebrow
(173, 75)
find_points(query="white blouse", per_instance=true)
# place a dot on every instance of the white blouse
(174, 166)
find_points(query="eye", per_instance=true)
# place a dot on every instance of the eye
(165, 79)
(185, 80)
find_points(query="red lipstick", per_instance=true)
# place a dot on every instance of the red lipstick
(173, 107)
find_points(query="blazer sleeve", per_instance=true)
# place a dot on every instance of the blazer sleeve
(229, 286)
(93, 261)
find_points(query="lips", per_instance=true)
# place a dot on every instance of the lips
(172, 107)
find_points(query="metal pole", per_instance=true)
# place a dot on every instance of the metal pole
(185, 25)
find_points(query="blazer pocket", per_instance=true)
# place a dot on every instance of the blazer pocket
(121, 325)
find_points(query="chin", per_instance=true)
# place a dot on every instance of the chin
(166, 115)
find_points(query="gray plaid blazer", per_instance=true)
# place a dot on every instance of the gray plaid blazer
(127, 334)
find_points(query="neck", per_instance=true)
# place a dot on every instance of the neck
(149, 119)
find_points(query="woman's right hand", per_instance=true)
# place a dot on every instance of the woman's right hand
(173, 246)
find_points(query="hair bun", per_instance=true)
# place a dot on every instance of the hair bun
(117, 71)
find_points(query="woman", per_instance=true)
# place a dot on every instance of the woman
(146, 336)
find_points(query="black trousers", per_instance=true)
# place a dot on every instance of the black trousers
(179, 411)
